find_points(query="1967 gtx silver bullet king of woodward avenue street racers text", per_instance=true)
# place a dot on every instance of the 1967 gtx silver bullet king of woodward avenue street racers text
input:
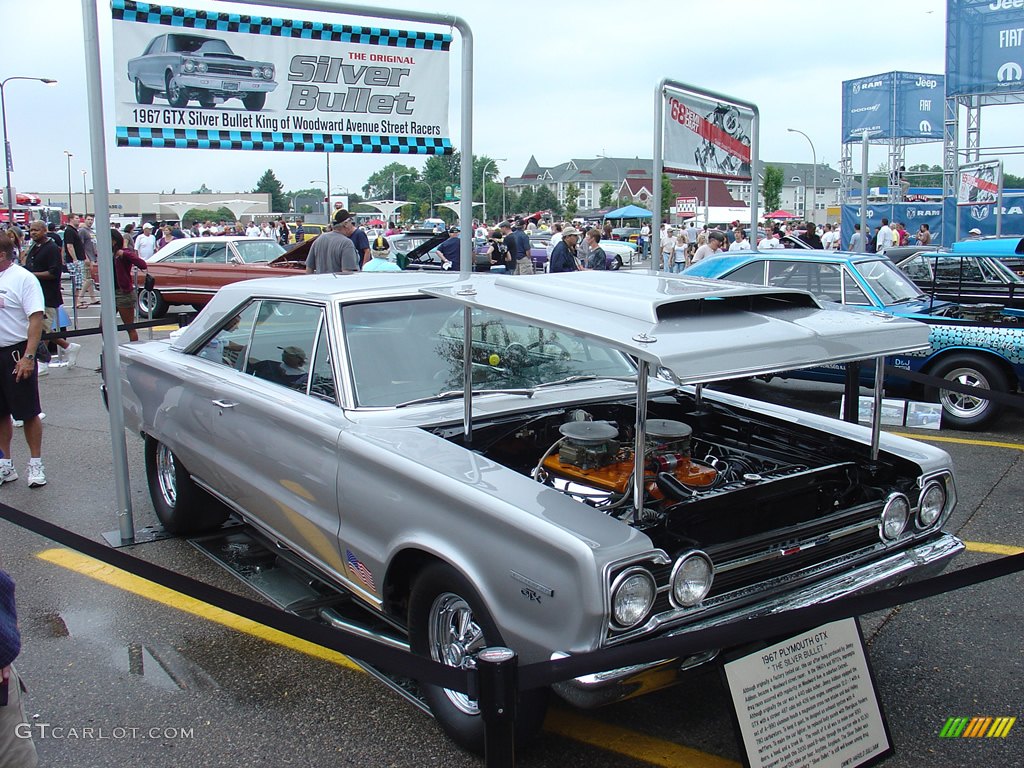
(590, 493)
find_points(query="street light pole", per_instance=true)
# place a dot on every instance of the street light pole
(483, 183)
(8, 157)
(394, 188)
(70, 204)
(328, 206)
(85, 192)
(814, 177)
(431, 188)
(326, 198)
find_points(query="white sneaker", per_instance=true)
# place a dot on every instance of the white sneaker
(36, 475)
(71, 353)
(8, 473)
(20, 423)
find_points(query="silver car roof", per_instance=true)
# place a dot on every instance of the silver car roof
(701, 330)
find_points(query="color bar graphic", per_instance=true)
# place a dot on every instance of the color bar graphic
(977, 727)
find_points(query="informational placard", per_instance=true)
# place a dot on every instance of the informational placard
(686, 207)
(984, 47)
(706, 137)
(978, 183)
(207, 80)
(809, 701)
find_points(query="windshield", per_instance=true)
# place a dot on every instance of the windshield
(889, 284)
(253, 251)
(190, 44)
(407, 349)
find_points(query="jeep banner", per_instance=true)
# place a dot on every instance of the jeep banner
(207, 80)
(984, 48)
(705, 137)
(894, 105)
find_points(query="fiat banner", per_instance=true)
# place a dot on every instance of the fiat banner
(207, 80)
(706, 137)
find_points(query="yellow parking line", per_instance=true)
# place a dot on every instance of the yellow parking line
(993, 549)
(562, 722)
(623, 741)
(926, 438)
(115, 577)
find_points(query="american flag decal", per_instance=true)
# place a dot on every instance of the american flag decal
(359, 570)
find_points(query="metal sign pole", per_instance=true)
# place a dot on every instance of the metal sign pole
(656, 170)
(999, 202)
(111, 359)
(864, 191)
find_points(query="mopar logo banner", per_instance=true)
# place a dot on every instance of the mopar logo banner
(207, 80)
(705, 137)
(920, 101)
(984, 46)
(900, 105)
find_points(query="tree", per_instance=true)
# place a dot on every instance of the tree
(667, 196)
(387, 181)
(771, 187)
(1012, 181)
(526, 202)
(607, 190)
(269, 183)
(205, 214)
(572, 194)
(544, 200)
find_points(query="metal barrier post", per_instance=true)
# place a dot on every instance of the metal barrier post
(497, 670)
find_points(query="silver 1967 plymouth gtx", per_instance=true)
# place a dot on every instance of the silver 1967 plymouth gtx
(534, 461)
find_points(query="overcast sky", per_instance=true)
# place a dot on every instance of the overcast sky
(554, 79)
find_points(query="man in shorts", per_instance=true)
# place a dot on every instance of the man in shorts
(21, 326)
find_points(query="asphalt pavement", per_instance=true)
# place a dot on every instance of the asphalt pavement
(122, 674)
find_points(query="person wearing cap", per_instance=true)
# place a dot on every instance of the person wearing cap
(450, 250)
(563, 255)
(333, 252)
(145, 243)
(974, 232)
(289, 370)
(380, 249)
(521, 250)
(716, 241)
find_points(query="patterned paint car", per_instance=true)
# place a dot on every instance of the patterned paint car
(979, 348)
(492, 460)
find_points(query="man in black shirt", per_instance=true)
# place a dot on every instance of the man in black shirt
(74, 255)
(42, 259)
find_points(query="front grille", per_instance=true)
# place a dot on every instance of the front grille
(231, 70)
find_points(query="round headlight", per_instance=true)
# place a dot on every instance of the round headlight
(256, 72)
(632, 597)
(933, 501)
(189, 65)
(894, 517)
(202, 66)
(268, 73)
(691, 579)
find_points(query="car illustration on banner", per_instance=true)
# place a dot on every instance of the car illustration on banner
(183, 68)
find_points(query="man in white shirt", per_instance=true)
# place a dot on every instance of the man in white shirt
(740, 242)
(145, 243)
(884, 237)
(252, 230)
(716, 241)
(829, 237)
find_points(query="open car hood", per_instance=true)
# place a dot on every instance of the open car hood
(701, 330)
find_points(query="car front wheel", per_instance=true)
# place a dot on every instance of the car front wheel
(151, 303)
(180, 504)
(254, 101)
(449, 624)
(176, 95)
(961, 411)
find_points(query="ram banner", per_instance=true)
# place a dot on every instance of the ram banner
(207, 80)
(706, 137)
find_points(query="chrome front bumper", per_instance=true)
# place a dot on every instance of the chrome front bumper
(918, 562)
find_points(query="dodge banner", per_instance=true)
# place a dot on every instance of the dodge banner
(708, 138)
(208, 80)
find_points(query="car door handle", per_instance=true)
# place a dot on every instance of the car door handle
(224, 404)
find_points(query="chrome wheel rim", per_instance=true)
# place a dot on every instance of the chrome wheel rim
(166, 475)
(959, 404)
(455, 639)
(147, 301)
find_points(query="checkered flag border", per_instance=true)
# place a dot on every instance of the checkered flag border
(186, 18)
(182, 138)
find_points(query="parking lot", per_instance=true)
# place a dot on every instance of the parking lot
(122, 672)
